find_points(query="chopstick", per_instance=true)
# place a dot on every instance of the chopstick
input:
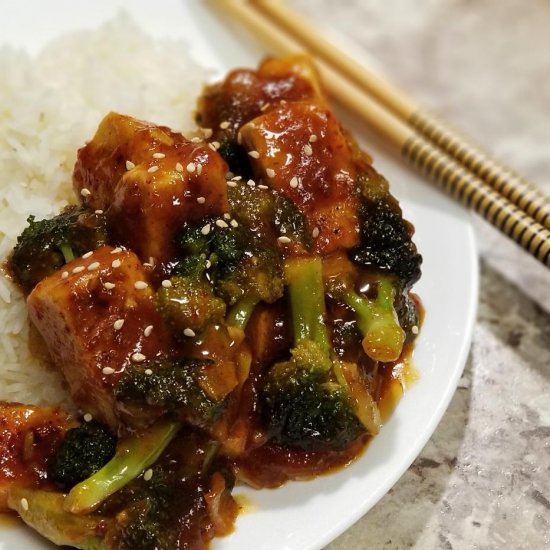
(425, 157)
(502, 179)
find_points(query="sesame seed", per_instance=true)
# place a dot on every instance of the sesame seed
(189, 332)
(138, 357)
(109, 286)
(225, 124)
(237, 178)
(263, 186)
(88, 417)
(265, 106)
(213, 147)
(221, 223)
(93, 266)
(152, 261)
(227, 216)
(78, 269)
(199, 169)
(117, 325)
(308, 150)
(208, 264)
(159, 155)
(179, 167)
(98, 212)
(130, 165)
(206, 229)
(254, 154)
(24, 504)
(216, 144)
(315, 232)
(251, 183)
(414, 329)
(191, 167)
(87, 255)
(232, 184)
(312, 138)
(148, 372)
(166, 283)
(201, 200)
(234, 223)
(152, 169)
(116, 263)
(108, 370)
(207, 132)
(294, 182)
(116, 250)
(65, 274)
(140, 285)
(196, 140)
(148, 474)
(239, 138)
(270, 173)
(229, 175)
(284, 240)
(85, 192)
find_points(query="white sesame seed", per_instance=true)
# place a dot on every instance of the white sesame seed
(65, 274)
(265, 106)
(152, 261)
(130, 165)
(199, 169)
(270, 173)
(138, 357)
(239, 138)
(227, 216)
(148, 372)
(116, 250)
(315, 232)
(312, 138)
(88, 417)
(294, 182)
(237, 178)
(232, 184)
(208, 264)
(191, 167)
(24, 504)
(189, 332)
(254, 154)
(308, 150)
(206, 229)
(284, 240)
(85, 192)
(117, 325)
(159, 155)
(116, 263)
(213, 147)
(414, 329)
(263, 187)
(251, 183)
(148, 474)
(98, 212)
(109, 286)
(196, 140)
(140, 285)
(166, 283)
(179, 167)
(201, 200)
(216, 144)
(207, 132)
(234, 223)
(93, 266)
(78, 269)
(225, 124)
(221, 223)
(152, 169)
(108, 370)
(87, 255)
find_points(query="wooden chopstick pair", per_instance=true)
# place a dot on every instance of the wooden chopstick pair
(505, 200)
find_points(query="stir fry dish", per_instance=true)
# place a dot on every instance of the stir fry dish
(225, 309)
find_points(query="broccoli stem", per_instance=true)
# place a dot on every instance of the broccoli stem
(67, 252)
(134, 453)
(240, 313)
(304, 277)
(383, 338)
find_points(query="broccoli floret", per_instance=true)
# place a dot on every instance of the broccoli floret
(386, 242)
(171, 385)
(83, 452)
(306, 405)
(45, 245)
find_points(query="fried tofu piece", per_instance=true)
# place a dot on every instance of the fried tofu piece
(29, 436)
(93, 317)
(149, 181)
(303, 152)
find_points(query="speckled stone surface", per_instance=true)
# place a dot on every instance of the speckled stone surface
(483, 480)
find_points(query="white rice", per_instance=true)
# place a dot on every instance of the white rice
(49, 106)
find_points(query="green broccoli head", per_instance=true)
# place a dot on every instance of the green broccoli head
(84, 451)
(169, 385)
(45, 245)
(304, 409)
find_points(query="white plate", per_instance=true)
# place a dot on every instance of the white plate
(308, 515)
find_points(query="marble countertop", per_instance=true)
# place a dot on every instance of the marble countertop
(483, 480)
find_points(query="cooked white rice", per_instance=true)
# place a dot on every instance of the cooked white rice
(49, 106)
